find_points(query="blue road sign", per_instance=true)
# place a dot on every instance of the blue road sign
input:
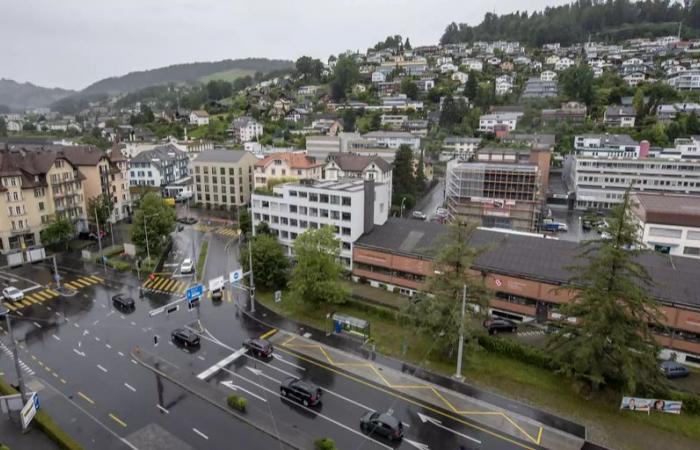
(36, 401)
(235, 276)
(195, 292)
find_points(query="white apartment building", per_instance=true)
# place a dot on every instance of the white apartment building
(688, 80)
(669, 223)
(245, 129)
(199, 118)
(488, 122)
(606, 146)
(393, 139)
(351, 206)
(504, 85)
(395, 121)
(160, 166)
(459, 147)
(548, 75)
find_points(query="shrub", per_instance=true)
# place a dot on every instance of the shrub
(518, 351)
(324, 444)
(116, 264)
(237, 402)
(691, 402)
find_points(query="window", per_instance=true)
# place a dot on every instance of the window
(231, 171)
(335, 200)
(347, 201)
(302, 194)
(292, 193)
(323, 198)
(324, 213)
(665, 232)
(196, 169)
(335, 215)
(303, 224)
(693, 235)
(691, 251)
(313, 212)
(345, 231)
(293, 223)
(292, 208)
(346, 246)
(313, 197)
(346, 216)
(222, 171)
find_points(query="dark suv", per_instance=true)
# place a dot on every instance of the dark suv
(123, 302)
(261, 348)
(217, 295)
(185, 337)
(382, 424)
(300, 391)
(497, 325)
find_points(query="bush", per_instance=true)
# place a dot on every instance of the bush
(523, 353)
(113, 250)
(202, 258)
(119, 265)
(691, 402)
(324, 444)
(237, 402)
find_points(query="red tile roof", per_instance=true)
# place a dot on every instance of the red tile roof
(293, 160)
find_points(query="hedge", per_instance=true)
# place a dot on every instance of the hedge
(202, 259)
(237, 402)
(523, 353)
(45, 423)
(118, 264)
(324, 444)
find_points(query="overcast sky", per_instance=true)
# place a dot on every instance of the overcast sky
(73, 43)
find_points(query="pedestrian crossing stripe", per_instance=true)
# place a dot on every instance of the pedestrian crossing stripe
(10, 307)
(72, 286)
(164, 284)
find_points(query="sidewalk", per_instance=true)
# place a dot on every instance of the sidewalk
(11, 435)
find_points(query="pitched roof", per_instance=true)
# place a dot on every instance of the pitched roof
(220, 155)
(294, 160)
(350, 162)
(163, 153)
(200, 113)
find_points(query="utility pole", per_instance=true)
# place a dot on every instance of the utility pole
(145, 230)
(55, 271)
(99, 241)
(250, 267)
(20, 379)
(460, 347)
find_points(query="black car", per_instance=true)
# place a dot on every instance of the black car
(123, 302)
(495, 326)
(383, 425)
(185, 337)
(300, 391)
(217, 294)
(187, 220)
(259, 347)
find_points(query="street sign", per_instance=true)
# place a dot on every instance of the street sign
(235, 276)
(216, 283)
(278, 296)
(195, 292)
(29, 410)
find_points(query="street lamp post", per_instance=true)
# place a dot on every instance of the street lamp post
(460, 347)
(250, 269)
(20, 379)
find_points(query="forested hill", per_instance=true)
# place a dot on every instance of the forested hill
(181, 73)
(608, 20)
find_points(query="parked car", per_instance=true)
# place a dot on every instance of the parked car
(497, 325)
(259, 347)
(442, 212)
(301, 391)
(587, 225)
(187, 266)
(381, 424)
(12, 294)
(420, 215)
(185, 337)
(672, 369)
(123, 302)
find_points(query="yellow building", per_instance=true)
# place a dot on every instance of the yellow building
(223, 178)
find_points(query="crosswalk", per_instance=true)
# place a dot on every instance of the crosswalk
(223, 231)
(22, 364)
(47, 294)
(83, 282)
(165, 285)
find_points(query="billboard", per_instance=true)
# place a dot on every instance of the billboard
(651, 404)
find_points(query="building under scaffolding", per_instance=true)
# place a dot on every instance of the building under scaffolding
(502, 195)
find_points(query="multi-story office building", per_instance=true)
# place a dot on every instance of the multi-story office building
(223, 178)
(392, 139)
(606, 146)
(352, 206)
(494, 194)
(35, 187)
(669, 223)
(158, 167)
(287, 165)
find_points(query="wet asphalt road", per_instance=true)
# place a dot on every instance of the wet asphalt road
(79, 349)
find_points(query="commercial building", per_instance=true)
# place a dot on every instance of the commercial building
(606, 146)
(669, 223)
(158, 167)
(494, 194)
(36, 187)
(688, 80)
(392, 139)
(287, 165)
(352, 206)
(348, 165)
(223, 178)
(525, 274)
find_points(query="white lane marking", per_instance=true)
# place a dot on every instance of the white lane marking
(97, 339)
(120, 353)
(55, 337)
(200, 433)
(19, 313)
(130, 387)
(86, 332)
(49, 308)
(75, 324)
(200, 357)
(163, 409)
(95, 322)
(79, 344)
(134, 361)
(282, 360)
(78, 353)
(109, 313)
(230, 385)
(133, 323)
(108, 346)
(102, 368)
(36, 325)
(439, 424)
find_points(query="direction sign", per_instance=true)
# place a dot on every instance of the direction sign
(29, 410)
(195, 292)
(235, 276)
(216, 283)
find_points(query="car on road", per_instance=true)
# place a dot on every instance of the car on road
(382, 424)
(12, 294)
(217, 294)
(672, 369)
(419, 215)
(262, 348)
(305, 393)
(497, 325)
(441, 212)
(123, 302)
(187, 266)
(185, 337)
(187, 220)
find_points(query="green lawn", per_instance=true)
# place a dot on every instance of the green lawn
(203, 248)
(515, 379)
(227, 75)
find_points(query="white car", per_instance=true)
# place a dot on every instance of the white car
(186, 266)
(13, 294)
(419, 215)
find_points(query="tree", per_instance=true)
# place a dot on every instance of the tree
(3, 127)
(410, 88)
(245, 223)
(349, 119)
(59, 230)
(638, 104)
(317, 273)
(345, 76)
(439, 315)
(404, 180)
(611, 343)
(310, 68)
(577, 83)
(420, 173)
(147, 114)
(100, 207)
(270, 265)
(154, 219)
(692, 124)
(218, 89)
(471, 88)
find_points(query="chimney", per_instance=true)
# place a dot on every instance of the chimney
(644, 149)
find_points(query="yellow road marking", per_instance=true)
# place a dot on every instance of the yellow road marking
(12, 308)
(182, 287)
(269, 333)
(40, 295)
(161, 282)
(431, 388)
(72, 286)
(117, 419)
(97, 279)
(86, 398)
(51, 293)
(33, 300)
(87, 280)
(80, 283)
(26, 303)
